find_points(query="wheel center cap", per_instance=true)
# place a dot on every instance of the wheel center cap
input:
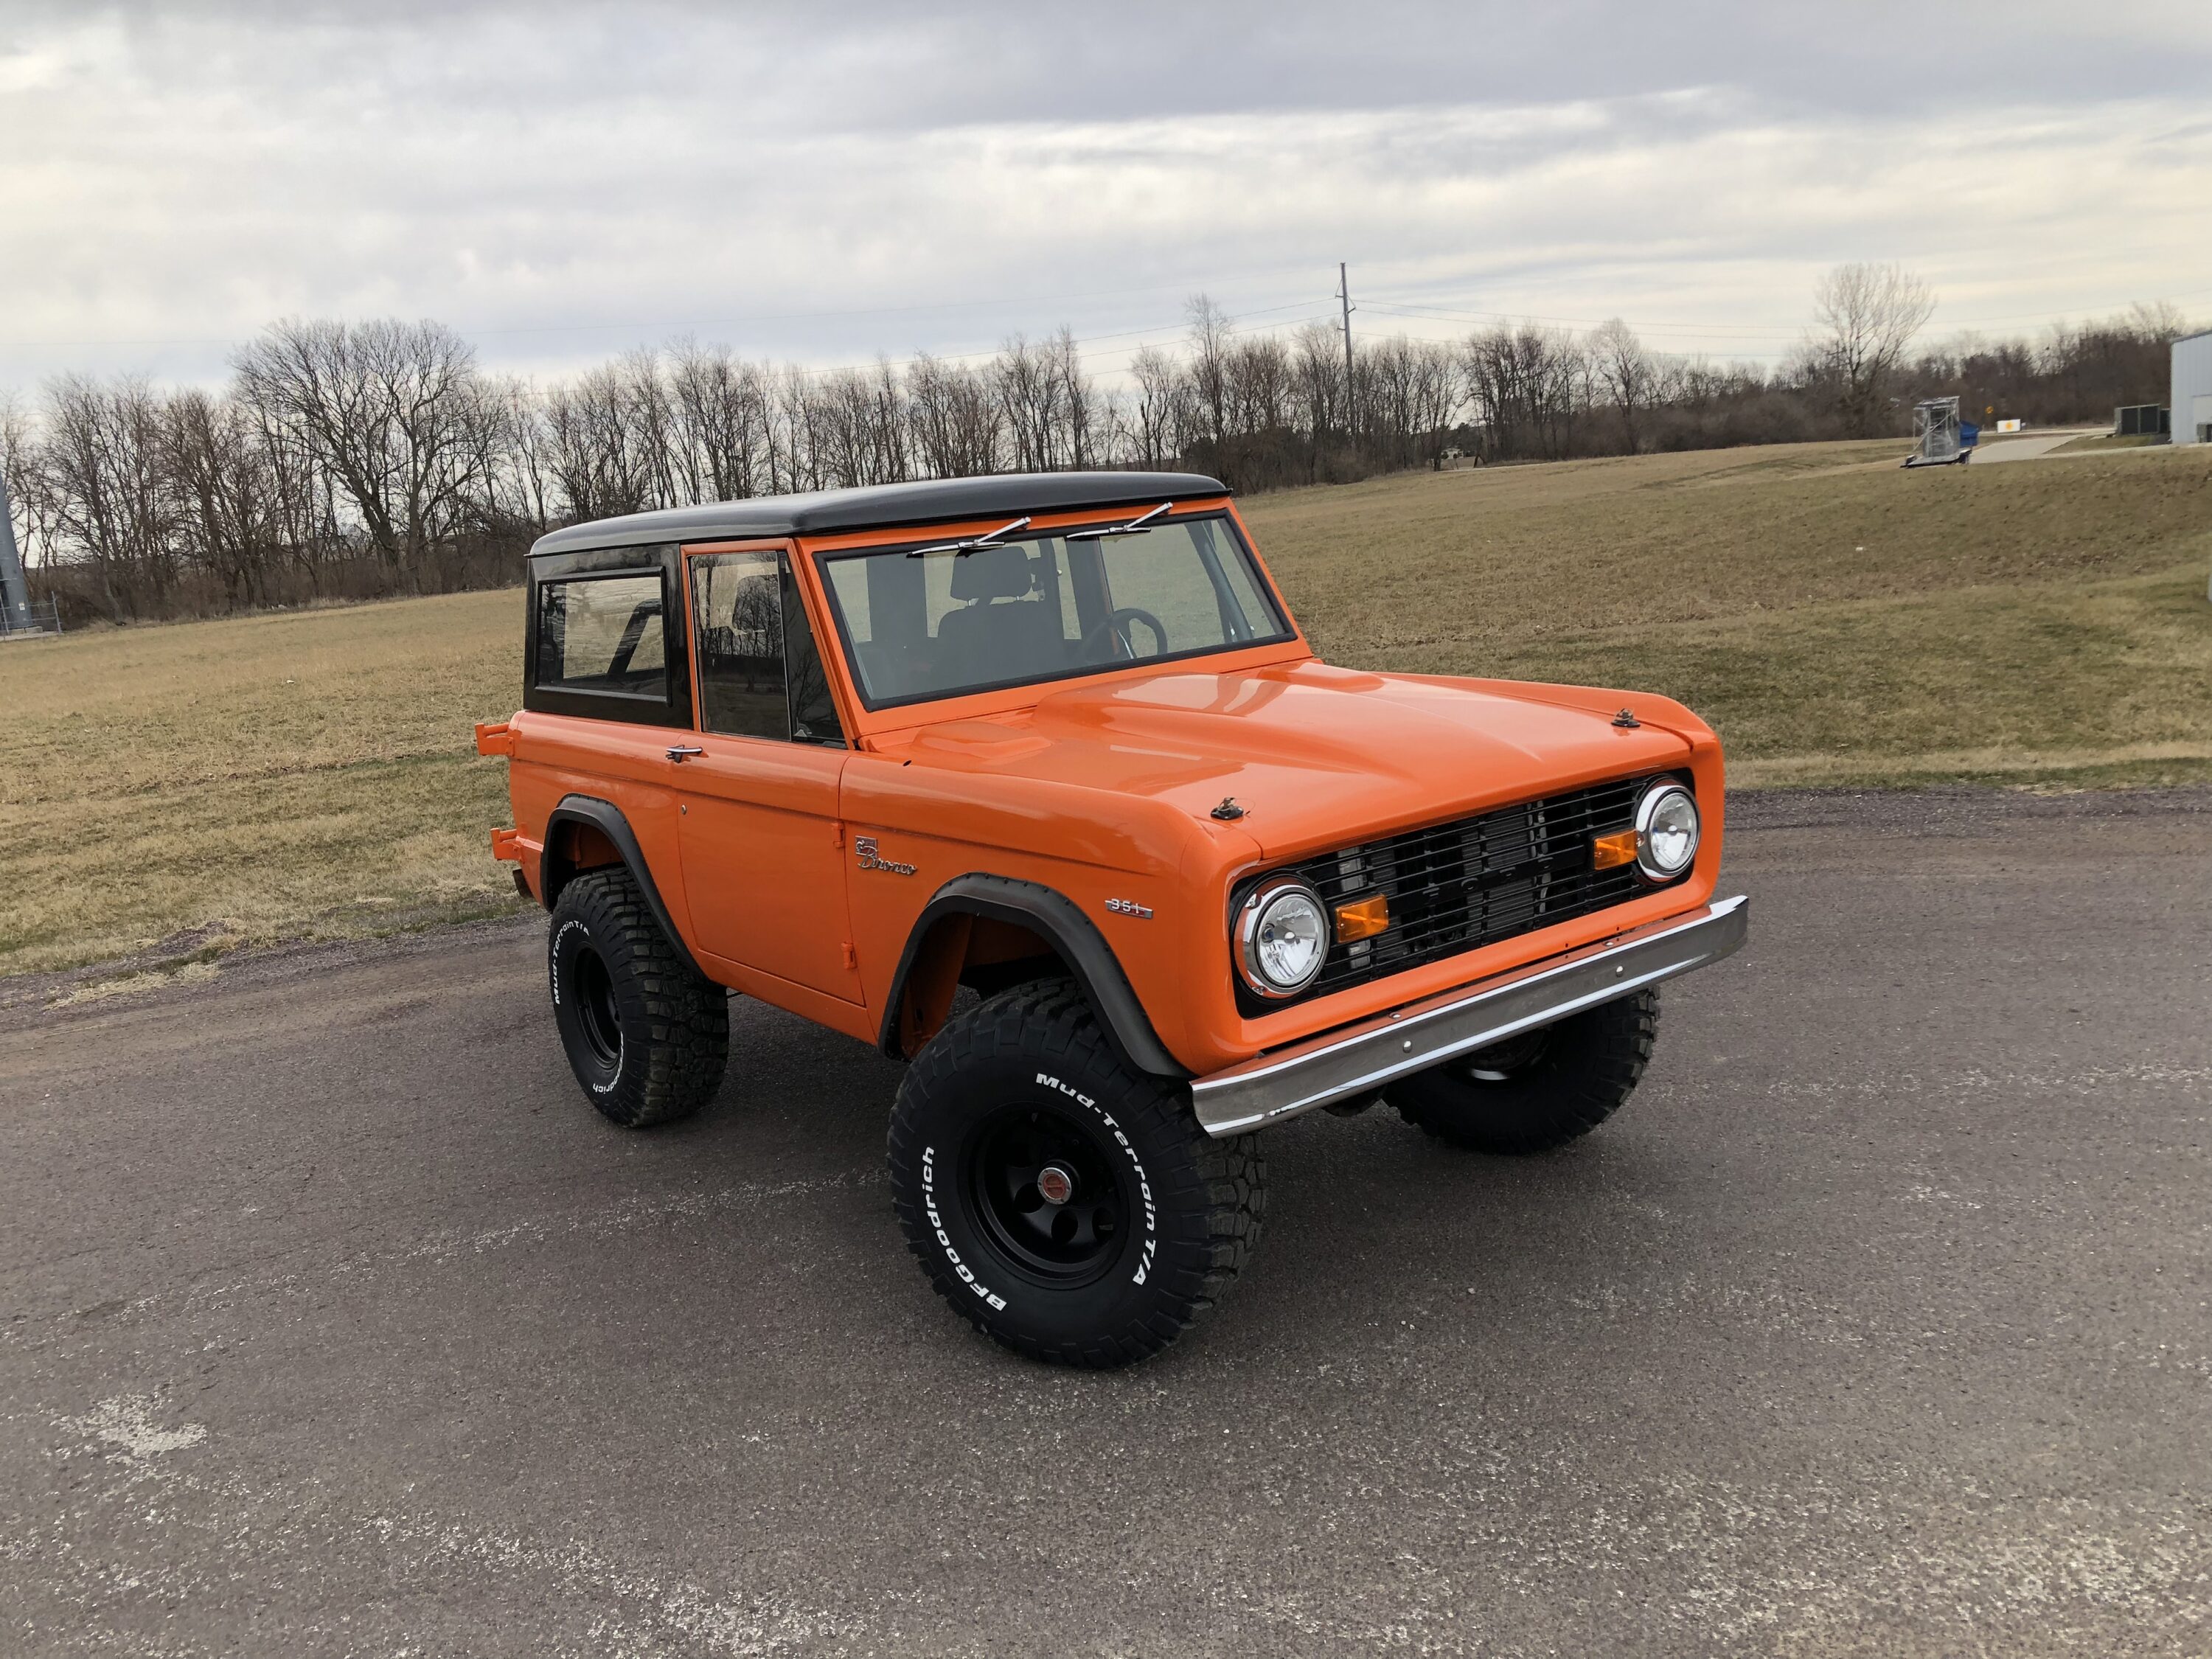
(1057, 1185)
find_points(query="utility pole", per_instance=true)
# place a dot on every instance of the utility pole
(1344, 293)
(15, 591)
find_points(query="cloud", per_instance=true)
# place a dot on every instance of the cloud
(566, 182)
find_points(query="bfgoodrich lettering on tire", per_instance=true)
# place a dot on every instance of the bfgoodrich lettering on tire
(648, 1037)
(1068, 1207)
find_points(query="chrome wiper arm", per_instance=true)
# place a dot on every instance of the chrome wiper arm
(1141, 526)
(973, 544)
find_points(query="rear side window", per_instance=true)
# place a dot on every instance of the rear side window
(604, 636)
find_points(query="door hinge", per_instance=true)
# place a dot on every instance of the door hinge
(852, 957)
(836, 832)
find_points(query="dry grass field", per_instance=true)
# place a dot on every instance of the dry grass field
(1836, 618)
(171, 791)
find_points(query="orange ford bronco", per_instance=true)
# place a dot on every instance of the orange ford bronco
(1055, 740)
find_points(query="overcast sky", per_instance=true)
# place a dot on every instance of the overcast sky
(824, 184)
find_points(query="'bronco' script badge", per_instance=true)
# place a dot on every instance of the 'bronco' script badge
(865, 847)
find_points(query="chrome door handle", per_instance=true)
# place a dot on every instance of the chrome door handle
(681, 749)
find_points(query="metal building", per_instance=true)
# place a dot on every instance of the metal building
(2191, 402)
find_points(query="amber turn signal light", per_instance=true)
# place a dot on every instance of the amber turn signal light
(1362, 919)
(1614, 850)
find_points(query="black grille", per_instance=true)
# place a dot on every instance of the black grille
(1454, 887)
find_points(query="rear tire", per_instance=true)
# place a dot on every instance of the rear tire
(1539, 1091)
(1068, 1206)
(647, 1035)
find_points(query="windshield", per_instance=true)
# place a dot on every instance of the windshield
(938, 622)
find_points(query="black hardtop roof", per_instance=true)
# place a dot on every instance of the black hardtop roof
(883, 507)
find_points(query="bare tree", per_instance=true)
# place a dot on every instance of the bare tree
(1626, 371)
(1086, 414)
(1209, 364)
(105, 487)
(516, 464)
(223, 495)
(955, 419)
(1527, 386)
(1865, 316)
(1318, 391)
(1257, 371)
(1161, 426)
(388, 408)
(370, 458)
(724, 420)
(1031, 396)
(608, 433)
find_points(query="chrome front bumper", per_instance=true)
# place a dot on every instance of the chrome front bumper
(1359, 1059)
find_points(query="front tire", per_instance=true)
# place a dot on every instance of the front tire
(1539, 1091)
(647, 1035)
(1068, 1206)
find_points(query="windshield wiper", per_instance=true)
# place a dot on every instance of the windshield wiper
(975, 543)
(1141, 526)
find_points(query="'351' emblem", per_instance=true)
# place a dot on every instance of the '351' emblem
(864, 847)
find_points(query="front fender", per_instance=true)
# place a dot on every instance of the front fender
(1057, 918)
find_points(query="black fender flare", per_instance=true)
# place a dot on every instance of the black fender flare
(553, 872)
(1056, 917)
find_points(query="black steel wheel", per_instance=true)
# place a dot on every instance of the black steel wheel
(596, 1013)
(1540, 1090)
(1050, 1193)
(1067, 1206)
(646, 1036)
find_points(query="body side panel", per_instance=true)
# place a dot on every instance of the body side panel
(555, 756)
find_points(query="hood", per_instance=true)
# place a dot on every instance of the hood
(1316, 755)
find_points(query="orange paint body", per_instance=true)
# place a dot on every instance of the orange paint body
(797, 873)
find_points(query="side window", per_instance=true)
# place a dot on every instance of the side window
(603, 635)
(813, 710)
(760, 674)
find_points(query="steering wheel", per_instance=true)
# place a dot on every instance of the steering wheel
(1116, 625)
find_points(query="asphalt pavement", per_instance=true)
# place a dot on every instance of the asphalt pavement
(333, 1321)
(2025, 449)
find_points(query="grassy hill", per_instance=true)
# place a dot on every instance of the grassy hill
(1838, 620)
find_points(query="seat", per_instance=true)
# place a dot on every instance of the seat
(1002, 630)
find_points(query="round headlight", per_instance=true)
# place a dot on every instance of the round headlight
(1282, 936)
(1666, 831)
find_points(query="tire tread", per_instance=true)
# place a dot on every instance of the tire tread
(1614, 1044)
(688, 1048)
(1051, 1020)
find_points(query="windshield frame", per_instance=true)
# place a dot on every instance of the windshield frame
(1285, 634)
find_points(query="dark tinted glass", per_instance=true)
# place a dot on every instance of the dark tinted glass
(737, 602)
(813, 710)
(760, 672)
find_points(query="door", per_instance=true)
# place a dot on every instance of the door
(763, 848)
